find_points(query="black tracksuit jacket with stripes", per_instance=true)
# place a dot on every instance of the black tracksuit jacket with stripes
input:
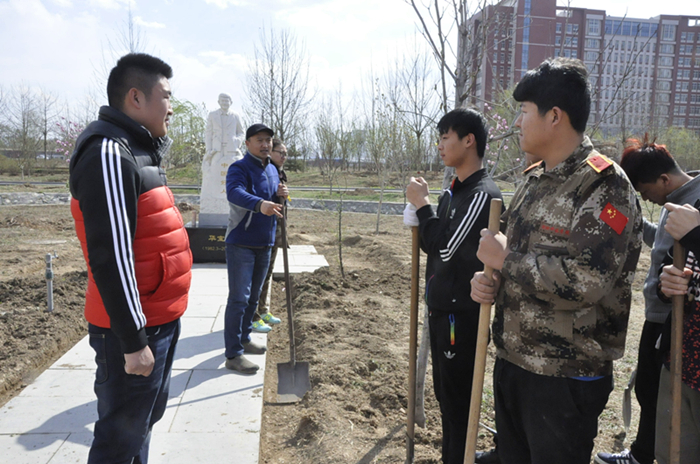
(450, 237)
(132, 235)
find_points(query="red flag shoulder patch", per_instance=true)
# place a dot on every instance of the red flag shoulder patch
(614, 218)
(599, 163)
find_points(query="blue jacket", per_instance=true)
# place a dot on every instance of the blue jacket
(249, 182)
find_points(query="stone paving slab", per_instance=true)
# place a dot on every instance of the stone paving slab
(302, 258)
(37, 448)
(213, 415)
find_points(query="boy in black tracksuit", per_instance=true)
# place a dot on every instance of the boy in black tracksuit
(451, 238)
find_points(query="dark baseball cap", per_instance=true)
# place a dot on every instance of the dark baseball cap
(255, 128)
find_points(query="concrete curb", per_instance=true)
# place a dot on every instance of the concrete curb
(353, 206)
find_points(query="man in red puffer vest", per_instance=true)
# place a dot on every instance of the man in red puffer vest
(138, 256)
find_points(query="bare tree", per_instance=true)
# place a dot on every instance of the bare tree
(278, 84)
(418, 105)
(25, 136)
(129, 38)
(458, 66)
(345, 130)
(47, 113)
(624, 86)
(400, 152)
(327, 146)
(4, 122)
(88, 109)
(377, 129)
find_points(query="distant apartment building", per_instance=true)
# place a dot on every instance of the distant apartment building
(644, 73)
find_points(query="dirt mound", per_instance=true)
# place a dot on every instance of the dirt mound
(353, 331)
(33, 222)
(32, 338)
(354, 334)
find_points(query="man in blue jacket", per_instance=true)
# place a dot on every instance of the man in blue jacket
(252, 189)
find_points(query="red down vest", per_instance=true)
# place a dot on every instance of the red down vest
(132, 235)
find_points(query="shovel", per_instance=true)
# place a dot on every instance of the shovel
(482, 343)
(676, 360)
(627, 402)
(413, 342)
(292, 377)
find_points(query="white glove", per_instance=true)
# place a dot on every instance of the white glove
(410, 218)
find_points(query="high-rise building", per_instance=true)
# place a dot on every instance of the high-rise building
(644, 73)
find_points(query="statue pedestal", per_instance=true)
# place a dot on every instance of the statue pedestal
(207, 244)
(207, 235)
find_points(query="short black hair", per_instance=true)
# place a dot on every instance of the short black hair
(135, 70)
(466, 121)
(644, 161)
(277, 142)
(561, 82)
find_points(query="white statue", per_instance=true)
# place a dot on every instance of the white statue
(223, 139)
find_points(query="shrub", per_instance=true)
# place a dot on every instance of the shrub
(9, 166)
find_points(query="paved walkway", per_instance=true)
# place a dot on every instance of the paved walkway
(213, 414)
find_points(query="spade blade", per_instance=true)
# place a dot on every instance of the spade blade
(627, 402)
(292, 381)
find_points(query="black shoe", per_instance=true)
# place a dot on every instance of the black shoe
(254, 348)
(624, 457)
(487, 457)
(242, 365)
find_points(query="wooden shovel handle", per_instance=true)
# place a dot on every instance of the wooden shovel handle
(676, 360)
(482, 342)
(413, 344)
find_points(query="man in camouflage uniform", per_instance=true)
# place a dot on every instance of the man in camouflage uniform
(564, 272)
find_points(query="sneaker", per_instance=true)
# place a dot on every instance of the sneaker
(487, 457)
(254, 348)
(242, 365)
(260, 327)
(617, 458)
(270, 319)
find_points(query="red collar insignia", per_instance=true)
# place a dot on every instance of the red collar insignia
(532, 166)
(599, 163)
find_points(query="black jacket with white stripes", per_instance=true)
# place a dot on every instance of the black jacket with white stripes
(451, 238)
(131, 233)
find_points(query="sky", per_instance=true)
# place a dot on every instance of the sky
(66, 47)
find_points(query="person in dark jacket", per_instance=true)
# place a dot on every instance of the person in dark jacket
(253, 189)
(450, 237)
(658, 178)
(683, 224)
(137, 254)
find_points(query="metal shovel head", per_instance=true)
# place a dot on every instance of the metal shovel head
(627, 402)
(292, 381)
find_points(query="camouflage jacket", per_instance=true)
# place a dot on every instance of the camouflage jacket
(575, 234)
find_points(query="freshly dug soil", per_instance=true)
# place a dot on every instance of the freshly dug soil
(352, 329)
(32, 338)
